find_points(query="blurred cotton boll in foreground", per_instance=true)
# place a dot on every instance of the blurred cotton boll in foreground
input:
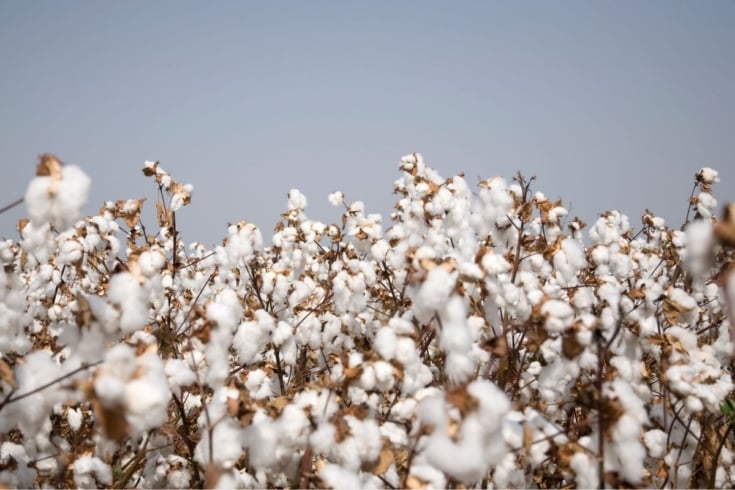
(57, 194)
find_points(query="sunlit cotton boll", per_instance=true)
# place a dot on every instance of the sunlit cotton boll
(147, 397)
(58, 203)
(88, 471)
(127, 292)
(433, 294)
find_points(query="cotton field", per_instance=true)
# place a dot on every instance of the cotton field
(479, 337)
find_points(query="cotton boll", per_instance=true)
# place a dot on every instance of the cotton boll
(494, 264)
(30, 413)
(558, 314)
(467, 463)
(655, 441)
(385, 343)
(110, 390)
(70, 252)
(366, 434)
(282, 333)
(181, 198)
(259, 384)
(296, 200)
(706, 203)
(75, 418)
(293, 427)
(227, 445)
(433, 293)
(147, 397)
(337, 477)
(151, 262)
(58, 202)
(384, 376)
(699, 247)
(179, 374)
(586, 475)
(493, 402)
(249, 341)
(90, 471)
(226, 310)
(21, 475)
(126, 291)
(708, 176)
(336, 198)
(406, 351)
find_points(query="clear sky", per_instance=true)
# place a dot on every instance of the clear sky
(609, 104)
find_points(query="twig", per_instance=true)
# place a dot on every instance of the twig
(81, 368)
(12, 205)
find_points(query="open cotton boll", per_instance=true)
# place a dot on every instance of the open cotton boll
(126, 291)
(22, 476)
(75, 418)
(182, 197)
(337, 477)
(29, 413)
(147, 397)
(296, 200)
(433, 293)
(90, 472)
(585, 470)
(385, 343)
(706, 203)
(179, 374)
(699, 239)
(456, 340)
(58, 202)
(467, 463)
(151, 262)
(226, 444)
(558, 314)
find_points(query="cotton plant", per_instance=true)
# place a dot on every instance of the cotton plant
(479, 337)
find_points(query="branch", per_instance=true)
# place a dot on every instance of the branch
(12, 205)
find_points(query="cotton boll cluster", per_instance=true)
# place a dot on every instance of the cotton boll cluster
(350, 354)
(132, 391)
(477, 443)
(29, 414)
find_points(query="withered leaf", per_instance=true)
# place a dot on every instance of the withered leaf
(49, 166)
(570, 346)
(6, 373)
(381, 465)
(460, 398)
(83, 315)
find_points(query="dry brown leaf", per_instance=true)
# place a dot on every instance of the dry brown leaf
(673, 311)
(162, 215)
(381, 465)
(725, 229)
(342, 428)
(212, 475)
(570, 346)
(415, 482)
(6, 373)
(21, 224)
(49, 166)
(527, 437)
(460, 398)
(83, 316)
(496, 345)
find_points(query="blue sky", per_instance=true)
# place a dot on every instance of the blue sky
(610, 104)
